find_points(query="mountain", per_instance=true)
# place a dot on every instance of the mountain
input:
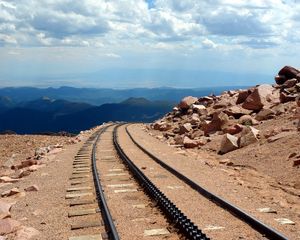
(45, 115)
(5, 103)
(59, 107)
(97, 97)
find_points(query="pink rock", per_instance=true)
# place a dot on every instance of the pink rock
(8, 225)
(243, 94)
(189, 143)
(33, 188)
(258, 98)
(220, 119)
(237, 128)
(5, 208)
(6, 179)
(186, 102)
(26, 233)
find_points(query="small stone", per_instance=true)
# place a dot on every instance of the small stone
(248, 136)
(296, 163)
(187, 127)
(266, 210)
(10, 192)
(6, 179)
(285, 221)
(33, 188)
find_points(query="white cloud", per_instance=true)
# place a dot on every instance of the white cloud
(100, 23)
(206, 43)
(112, 55)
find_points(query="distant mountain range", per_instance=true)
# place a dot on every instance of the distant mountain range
(29, 110)
(101, 96)
(46, 115)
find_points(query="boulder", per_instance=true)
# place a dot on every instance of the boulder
(189, 143)
(237, 111)
(243, 94)
(228, 143)
(280, 79)
(288, 72)
(195, 119)
(247, 120)
(186, 102)
(178, 139)
(219, 120)
(200, 109)
(265, 114)
(8, 225)
(185, 128)
(25, 163)
(248, 136)
(258, 98)
(162, 126)
(290, 83)
(284, 97)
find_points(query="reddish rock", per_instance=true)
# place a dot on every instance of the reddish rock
(8, 225)
(296, 163)
(187, 127)
(228, 143)
(298, 100)
(23, 173)
(288, 72)
(233, 129)
(279, 79)
(265, 114)
(237, 111)
(243, 94)
(162, 126)
(178, 139)
(258, 98)
(284, 97)
(33, 188)
(189, 143)
(219, 120)
(187, 102)
(290, 83)
(25, 163)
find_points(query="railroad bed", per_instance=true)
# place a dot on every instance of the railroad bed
(134, 197)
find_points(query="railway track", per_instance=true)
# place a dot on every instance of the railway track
(108, 201)
(126, 211)
(266, 231)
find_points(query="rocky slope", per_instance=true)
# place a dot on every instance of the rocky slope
(256, 127)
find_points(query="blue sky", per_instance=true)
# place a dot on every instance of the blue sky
(137, 43)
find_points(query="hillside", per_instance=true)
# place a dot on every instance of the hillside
(255, 128)
(46, 115)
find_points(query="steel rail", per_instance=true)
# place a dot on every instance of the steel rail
(109, 224)
(189, 229)
(259, 226)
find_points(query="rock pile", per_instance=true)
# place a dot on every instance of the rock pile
(232, 116)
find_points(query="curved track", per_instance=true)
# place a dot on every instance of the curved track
(264, 229)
